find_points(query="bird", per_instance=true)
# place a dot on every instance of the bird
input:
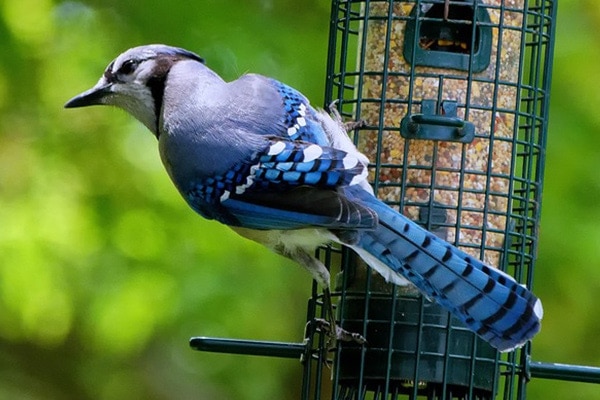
(254, 154)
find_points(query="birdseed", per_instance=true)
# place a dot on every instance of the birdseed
(471, 182)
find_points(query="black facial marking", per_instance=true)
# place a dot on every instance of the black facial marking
(164, 58)
(157, 82)
(126, 68)
(157, 88)
(108, 74)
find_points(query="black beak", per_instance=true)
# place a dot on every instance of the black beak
(94, 96)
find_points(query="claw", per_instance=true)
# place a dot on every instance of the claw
(345, 336)
(330, 329)
(340, 334)
(337, 333)
(348, 126)
(332, 109)
(352, 125)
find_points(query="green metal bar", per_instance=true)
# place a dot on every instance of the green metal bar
(565, 372)
(248, 347)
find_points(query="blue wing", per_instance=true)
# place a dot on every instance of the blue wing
(285, 185)
(300, 121)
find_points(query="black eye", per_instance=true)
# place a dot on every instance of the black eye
(127, 67)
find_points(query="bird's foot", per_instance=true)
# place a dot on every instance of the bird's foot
(337, 333)
(333, 333)
(352, 125)
(348, 126)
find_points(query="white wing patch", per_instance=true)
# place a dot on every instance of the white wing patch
(276, 148)
(224, 196)
(538, 309)
(350, 161)
(312, 152)
(300, 121)
(239, 189)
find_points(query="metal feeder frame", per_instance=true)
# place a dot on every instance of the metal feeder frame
(415, 349)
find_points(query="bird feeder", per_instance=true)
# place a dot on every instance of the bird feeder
(455, 132)
(454, 98)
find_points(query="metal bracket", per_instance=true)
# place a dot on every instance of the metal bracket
(301, 351)
(565, 372)
(249, 347)
(434, 124)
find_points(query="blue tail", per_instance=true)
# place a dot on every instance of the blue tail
(487, 300)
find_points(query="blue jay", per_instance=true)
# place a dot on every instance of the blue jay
(255, 155)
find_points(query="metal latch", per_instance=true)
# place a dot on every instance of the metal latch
(434, 124)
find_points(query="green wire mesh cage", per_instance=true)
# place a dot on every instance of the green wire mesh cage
(453, 98)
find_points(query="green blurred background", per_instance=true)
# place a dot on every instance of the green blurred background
(104, 271)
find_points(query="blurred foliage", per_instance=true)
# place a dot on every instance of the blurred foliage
(104, 271)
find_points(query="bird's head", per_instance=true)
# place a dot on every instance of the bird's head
(135, 82)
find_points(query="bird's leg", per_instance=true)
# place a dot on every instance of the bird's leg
(334, 331)
(327, 325)
(348, 126)
(352, 125)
